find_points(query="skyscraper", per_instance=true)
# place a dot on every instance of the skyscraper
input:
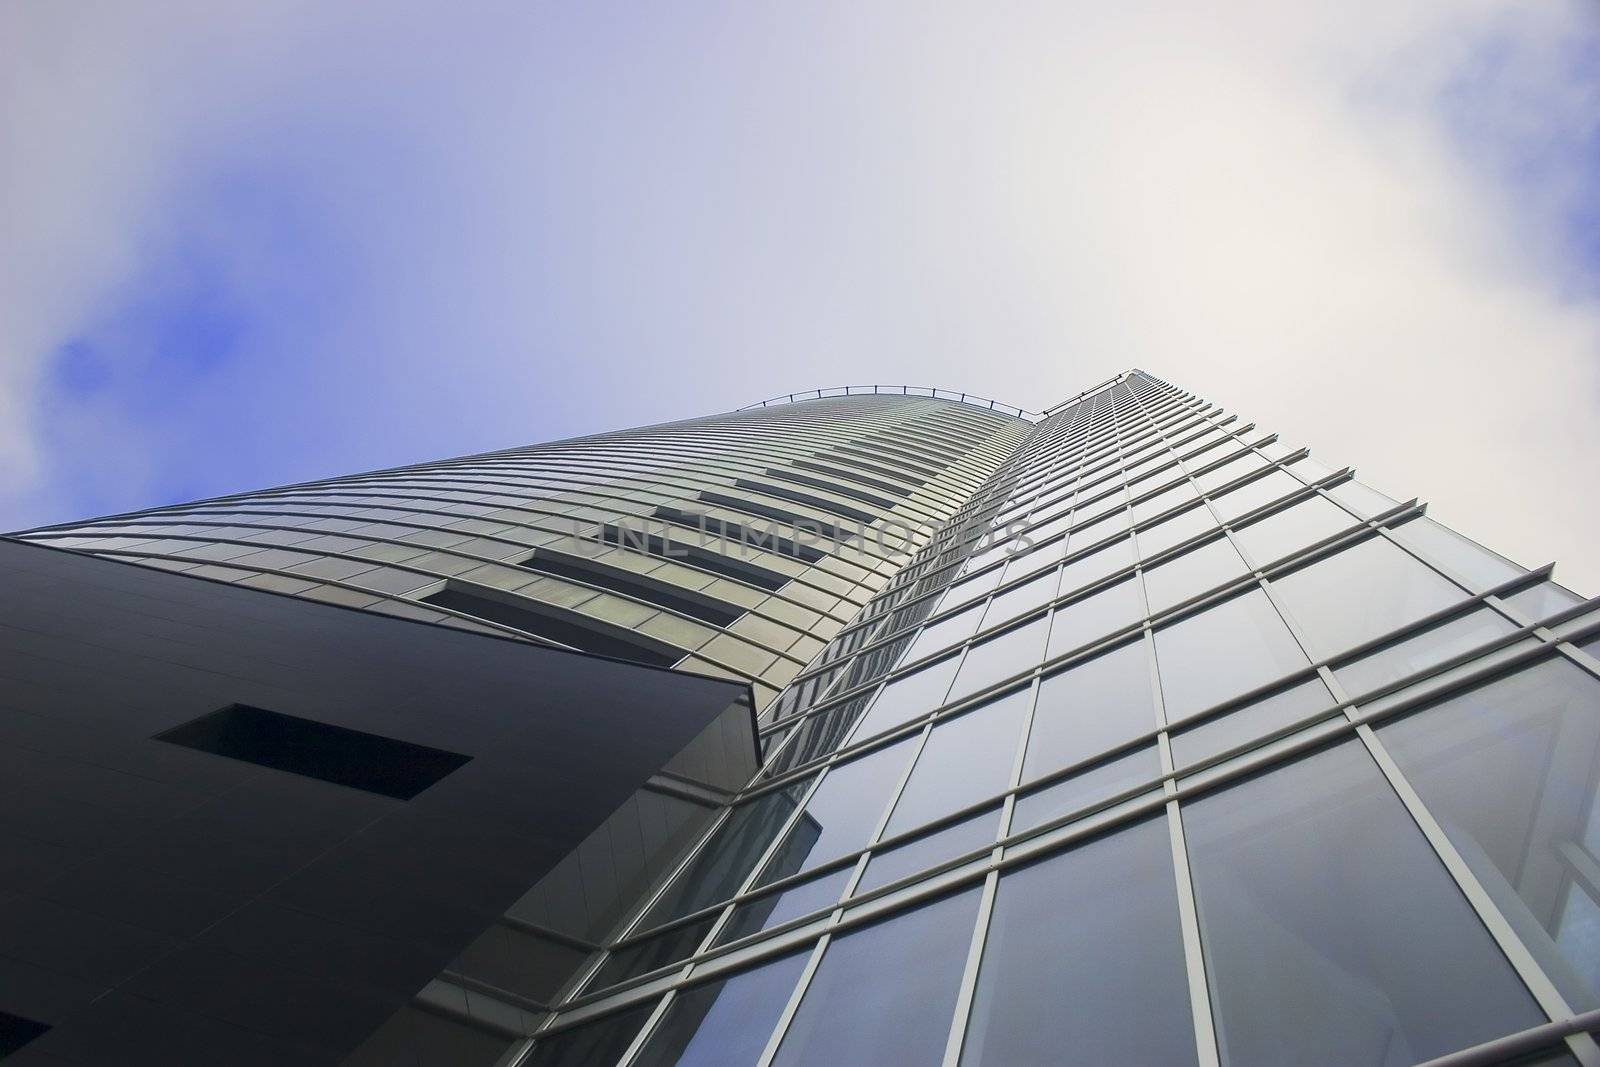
(1121, 732)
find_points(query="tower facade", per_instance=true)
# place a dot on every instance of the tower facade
(1124, 733)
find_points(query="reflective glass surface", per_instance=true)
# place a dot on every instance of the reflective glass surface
(909, 697)
(1086, 787)
(842, 812)
(965, 760)
(1196, 571)
(1360, 592)
(1248, 722)
(1001, 657)
(1223, 651)
(778, 907)
(884, 993)
(1328, 922)
(1511, 770)
(1100, 980)
(1295, 527)
(1433, 645)
(1091, 708)
(933, 847)
(725, 1023)
(1095, 616)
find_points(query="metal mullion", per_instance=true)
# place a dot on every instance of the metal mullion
(781, 1028)
(1205, 1034)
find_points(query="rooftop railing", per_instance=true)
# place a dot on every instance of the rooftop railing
(899, 390)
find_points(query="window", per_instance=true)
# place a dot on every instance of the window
(726, 1023)
(778, 907)
(1223, 651)
(1090, 708)
(1196, 571)
(597, 1044)
(1086, 787)
(1163, 535)
(1084, 955)
(965, 760)
(940, 635)
(1001, 657)
(1511, 769)
(1298, 526)
(1434, 645)
(319, 750)
(1360, 592)
(909, 697)
(885, 993)
(1249, 722)
(1327, 922)
(1098, 615)
(923, 852)
(1021, 599)
(1480, 567)
(843, 812)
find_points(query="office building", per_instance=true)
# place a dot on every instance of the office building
(946, 732)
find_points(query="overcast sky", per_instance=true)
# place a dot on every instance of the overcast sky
(247, 244)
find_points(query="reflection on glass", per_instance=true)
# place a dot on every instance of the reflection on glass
(1434, 645)
(1100, 563)
(658, 951)
(725, 1023)
(1000, 657)
(1544, 600)
(1480, 567)
(1091, 707)
(885, 993)
(1084, 960)
(1360, 592)
(1179, 528)
(970, 589)
(923, 852)
(909, 697)
(1021, 600)
(1254, 494)
(717, 870)
(1511, 769)
(842, 812)
(1086, 787)
(1253, 720)
(1098, 615)
(1196, 571)
(776, 908)
(1362, 499)
(1223, 651)
(1164, 500)
(596, 1044)
(943, 634)
(965, 760)
(1299, 526)
(1327, 924)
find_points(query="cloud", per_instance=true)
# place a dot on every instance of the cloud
(260, 244)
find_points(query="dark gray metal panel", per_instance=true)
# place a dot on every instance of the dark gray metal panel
(186, 907)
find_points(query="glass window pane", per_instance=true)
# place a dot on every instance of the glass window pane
(1283, 532)
(725, 1023)
(1088, 786)
(1237, 467)
(1095, 616)
(1252, 495)
(1223, 651)
(1101, 980)
(1362, 499)
(597, 1044)
(965, 760)
(1021, 599)
(1162, 501)
(1194, 572)
(658, 951)
(1091, 708)
(1434, 645)
(1253, 720)
(775, 909)
(1000, 657)
(842, 812)
(717, 870)
(1481, 568)
(971, 589)
(1163, 535)
(1511, 770)
(1101, 563)
(885, 993)
(909, 697)
(1360, 592)
(1544, 600)
(923, 852)
(1328, 922)
(943, 634)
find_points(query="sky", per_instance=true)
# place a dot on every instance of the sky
(249, 244)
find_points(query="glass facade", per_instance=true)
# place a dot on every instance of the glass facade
(1158, 742)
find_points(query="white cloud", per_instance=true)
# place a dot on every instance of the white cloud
(1348, 220)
